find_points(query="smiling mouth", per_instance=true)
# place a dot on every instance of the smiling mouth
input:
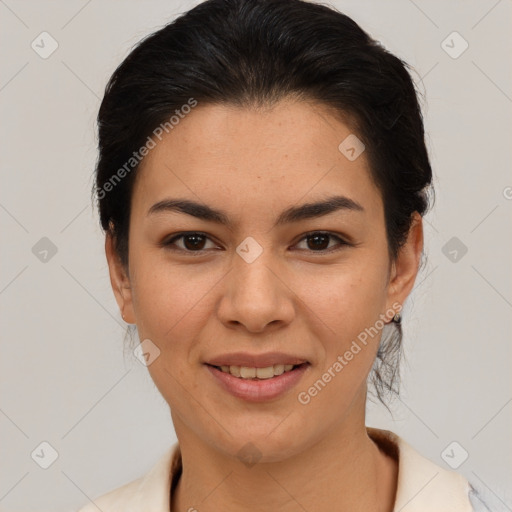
(252, 373)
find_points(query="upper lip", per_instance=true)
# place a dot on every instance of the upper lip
(255, 360)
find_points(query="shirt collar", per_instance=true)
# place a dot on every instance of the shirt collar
(422, 485)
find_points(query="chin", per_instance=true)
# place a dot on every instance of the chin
(259, 445)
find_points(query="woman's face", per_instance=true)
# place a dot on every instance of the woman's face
(260, 283)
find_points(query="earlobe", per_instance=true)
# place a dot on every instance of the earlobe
(119, 281)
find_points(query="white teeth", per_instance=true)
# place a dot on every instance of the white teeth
(278, 369)
(265, 373)
(246, 372)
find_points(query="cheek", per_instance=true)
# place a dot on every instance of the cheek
(173, 305)
(346, 299)
(343, 308)
(169, 298)
(343, 313)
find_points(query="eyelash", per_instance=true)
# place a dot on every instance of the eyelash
(167, 244)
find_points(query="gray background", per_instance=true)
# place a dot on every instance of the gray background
(65, 377)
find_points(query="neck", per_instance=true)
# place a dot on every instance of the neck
(344, 470)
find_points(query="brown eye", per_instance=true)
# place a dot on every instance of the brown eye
(195, 242)
(318, 241)
(191, 242)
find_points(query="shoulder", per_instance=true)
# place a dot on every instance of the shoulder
(115, 500)
(148, 492)
(422, 485)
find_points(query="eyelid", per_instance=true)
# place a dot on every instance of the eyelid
(342, 242)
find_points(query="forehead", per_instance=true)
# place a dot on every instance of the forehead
(228, 156)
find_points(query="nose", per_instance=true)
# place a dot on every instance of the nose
(256, 296)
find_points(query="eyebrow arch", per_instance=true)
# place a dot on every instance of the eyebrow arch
(292, 214)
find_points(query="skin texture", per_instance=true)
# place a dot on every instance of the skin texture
(253, 164)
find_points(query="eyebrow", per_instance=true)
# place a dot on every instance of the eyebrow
(292, 214)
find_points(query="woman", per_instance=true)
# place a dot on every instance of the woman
(262, 179)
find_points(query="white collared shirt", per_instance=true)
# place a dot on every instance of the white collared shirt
(422, 485)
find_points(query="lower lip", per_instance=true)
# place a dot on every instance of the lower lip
(259, 390)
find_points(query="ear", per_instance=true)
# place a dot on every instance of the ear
(405, 269)
(120, 281)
